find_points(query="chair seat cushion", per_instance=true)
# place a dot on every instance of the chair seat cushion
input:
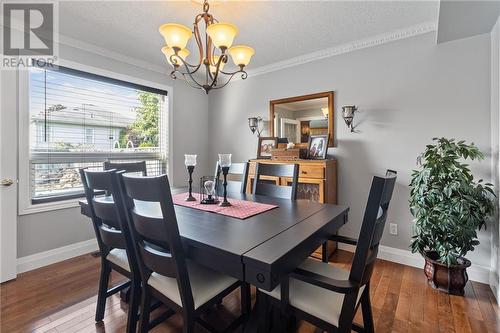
(319, 302)
(205, 284)
(119, 257)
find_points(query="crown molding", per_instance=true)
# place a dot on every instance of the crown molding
(376, 40)
(75, 43)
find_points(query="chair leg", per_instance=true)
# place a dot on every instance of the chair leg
(103, 290)
(246, 302)
(188, 324)
(145, 310)
(366, 307)
(133, 308)
(324, 252)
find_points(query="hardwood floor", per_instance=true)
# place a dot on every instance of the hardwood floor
(61, 298)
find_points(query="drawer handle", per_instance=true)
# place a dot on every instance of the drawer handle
(304, 172)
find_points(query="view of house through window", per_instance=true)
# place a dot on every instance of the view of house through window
(81, 120)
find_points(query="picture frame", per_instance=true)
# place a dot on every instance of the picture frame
(317, 147)
(265, 145)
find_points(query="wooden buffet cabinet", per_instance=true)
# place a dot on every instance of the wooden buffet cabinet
(317, 182)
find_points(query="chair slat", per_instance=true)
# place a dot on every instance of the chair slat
(106, 211)
(112, 237)
(158, 261)
(150, 227)
(128, 167)
(276, 170)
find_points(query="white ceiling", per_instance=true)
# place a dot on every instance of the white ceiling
(278, 30)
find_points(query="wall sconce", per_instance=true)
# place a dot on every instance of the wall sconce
(256, 124)
(348, 115)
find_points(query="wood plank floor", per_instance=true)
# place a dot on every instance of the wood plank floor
(61, 298)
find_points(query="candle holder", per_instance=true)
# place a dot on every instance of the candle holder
(225, 163)
(190, 162)
(224, 202)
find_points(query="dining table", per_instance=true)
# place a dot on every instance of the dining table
(260, 249)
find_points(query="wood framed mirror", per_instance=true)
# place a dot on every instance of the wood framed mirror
(297, 118)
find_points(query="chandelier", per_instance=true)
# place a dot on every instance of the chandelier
(213, 48)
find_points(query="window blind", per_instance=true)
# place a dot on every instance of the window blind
(78, 119)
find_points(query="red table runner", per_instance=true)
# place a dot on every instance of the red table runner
(240, 209)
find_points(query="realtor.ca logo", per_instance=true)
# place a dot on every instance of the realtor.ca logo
(29, 34)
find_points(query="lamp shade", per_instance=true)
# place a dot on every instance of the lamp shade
(168, 52)
(241, 54)
(176, 35)
(213, 68)
(222, 34)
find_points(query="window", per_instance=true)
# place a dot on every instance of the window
(89, 136)
(78, 119)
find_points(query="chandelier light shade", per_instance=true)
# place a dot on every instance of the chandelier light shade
(214, 48)
(176, 35)
(241, 54)
(169, 52)
(222, 34)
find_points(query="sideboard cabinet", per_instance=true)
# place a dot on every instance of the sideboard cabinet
(317, 182)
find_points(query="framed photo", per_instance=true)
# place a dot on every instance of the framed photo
(266, 144)
(317, 147)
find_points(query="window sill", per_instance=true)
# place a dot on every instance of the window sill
(49, 206)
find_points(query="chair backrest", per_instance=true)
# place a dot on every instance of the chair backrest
(269, 188)
(236, 171)
(154, 229)
(107, 212)
(373, 227)
(127, 166)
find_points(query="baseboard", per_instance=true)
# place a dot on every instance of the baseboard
(476, 273)
(53, 256)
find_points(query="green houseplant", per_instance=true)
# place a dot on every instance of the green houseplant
(449, 207)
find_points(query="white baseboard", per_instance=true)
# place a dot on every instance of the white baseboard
(53, 256)
(476, 273)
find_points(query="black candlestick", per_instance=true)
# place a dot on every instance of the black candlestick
(190, 197)
(225, 203)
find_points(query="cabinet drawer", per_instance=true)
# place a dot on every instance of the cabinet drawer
(311, 171)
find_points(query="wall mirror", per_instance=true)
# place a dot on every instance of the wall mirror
(297, 118)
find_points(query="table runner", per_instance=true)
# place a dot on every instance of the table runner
(240, 209)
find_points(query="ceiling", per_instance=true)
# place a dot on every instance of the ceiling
(278, 30)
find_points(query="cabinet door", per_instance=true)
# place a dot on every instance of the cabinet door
(309, 189)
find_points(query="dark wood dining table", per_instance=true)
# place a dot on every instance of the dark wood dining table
(260, 249)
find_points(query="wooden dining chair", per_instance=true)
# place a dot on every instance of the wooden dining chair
(269, 188)
(344, 239)
(167, 275)
(237, 178)
(127, 166)
(113, 238)
(327, 296)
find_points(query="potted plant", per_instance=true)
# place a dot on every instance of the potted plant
(449, 207)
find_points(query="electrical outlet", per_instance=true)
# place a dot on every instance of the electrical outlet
(393, 229)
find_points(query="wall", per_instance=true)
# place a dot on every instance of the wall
(495, 106)
(407, 91)
(44, 231)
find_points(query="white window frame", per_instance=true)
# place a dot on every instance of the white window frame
(25, 206)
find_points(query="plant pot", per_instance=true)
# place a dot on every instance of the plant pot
(450, 279)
